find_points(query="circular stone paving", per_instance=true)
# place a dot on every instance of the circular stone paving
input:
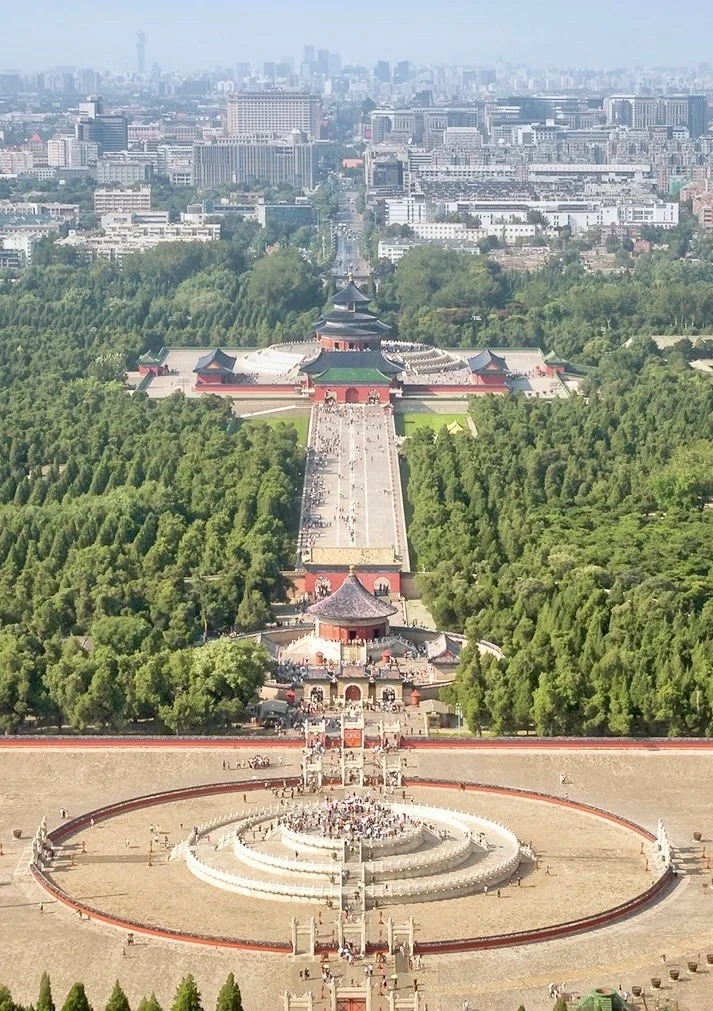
(191, 865)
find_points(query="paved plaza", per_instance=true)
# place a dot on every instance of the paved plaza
(352, 492)
(592, 865)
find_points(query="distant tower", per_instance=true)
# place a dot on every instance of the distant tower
(141, 53)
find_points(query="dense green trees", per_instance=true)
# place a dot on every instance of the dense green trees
(63, 319)
(130, 528)
(459, 300)
(576, 534)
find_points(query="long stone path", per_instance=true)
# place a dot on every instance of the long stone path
(352, 496)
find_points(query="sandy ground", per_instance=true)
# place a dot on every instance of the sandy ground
(592, 866)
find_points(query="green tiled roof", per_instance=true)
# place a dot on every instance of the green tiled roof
(353, 376)
(153, 357)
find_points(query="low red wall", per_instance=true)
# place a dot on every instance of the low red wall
(449, 744)
(336, 578)
(355, 394)
(250, 389)
(457, 390)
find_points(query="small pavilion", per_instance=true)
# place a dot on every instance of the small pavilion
(489, 370)
(215, 369)
(351, 613)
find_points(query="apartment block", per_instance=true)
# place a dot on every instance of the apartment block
(274, 113)
(131, 200)
(227, 161)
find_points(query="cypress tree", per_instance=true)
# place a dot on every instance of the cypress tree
(76, 999)
(6, 1001)
(149, 1004)
(187, 996)
(229, 998)
(44, 1001)
(118, 1000)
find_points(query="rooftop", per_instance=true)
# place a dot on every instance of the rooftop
(361, 360)
(351, 295)
(487, 359)
(215, 361)
(352, 601)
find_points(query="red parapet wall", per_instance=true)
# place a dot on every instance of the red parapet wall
(514, 939)
(266, 390)
(336, 577)
(418, 743)
(356, 394)
(455, 390)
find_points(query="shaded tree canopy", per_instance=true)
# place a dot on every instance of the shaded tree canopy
(576, 534)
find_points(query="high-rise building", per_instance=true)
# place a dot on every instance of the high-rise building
(697, 115)
(9, 84)
(66, 151)
(402, 73)
(109, 130)
(90, 82)
(382, 71)
(123, 172)
(308, 55)
(274, 113)
(644, 112)
(141, 53)
(274, 163)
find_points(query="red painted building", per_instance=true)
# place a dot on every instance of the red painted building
(489, 371)
(216, 369)
(351, 377)
(351, 326)
(351, 613)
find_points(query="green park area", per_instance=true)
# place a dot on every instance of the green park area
(299, 421)
(409, 424)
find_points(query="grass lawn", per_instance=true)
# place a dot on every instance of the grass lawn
(299, 421)
(407, 424)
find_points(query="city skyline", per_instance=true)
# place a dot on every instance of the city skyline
(455, 33)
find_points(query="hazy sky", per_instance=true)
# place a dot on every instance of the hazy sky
(185, 35)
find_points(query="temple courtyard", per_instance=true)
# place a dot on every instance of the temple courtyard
(586, 864)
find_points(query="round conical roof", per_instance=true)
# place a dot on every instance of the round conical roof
(352, 602)
(351, 295)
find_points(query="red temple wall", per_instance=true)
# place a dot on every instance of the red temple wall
(348, 343)
(376, 630)
(336, 578)
(351, 394)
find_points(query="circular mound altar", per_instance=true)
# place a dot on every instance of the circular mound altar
(355, 850)
(219, 885)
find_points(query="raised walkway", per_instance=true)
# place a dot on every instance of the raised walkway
(352, 499)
